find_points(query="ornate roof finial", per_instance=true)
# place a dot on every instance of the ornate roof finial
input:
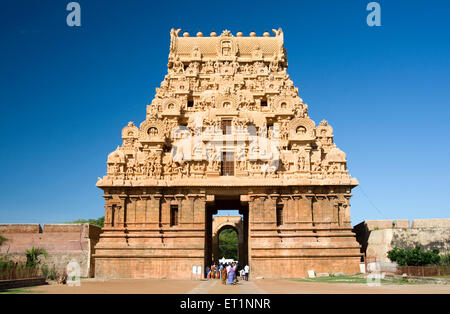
(226, 33)
(277, 32)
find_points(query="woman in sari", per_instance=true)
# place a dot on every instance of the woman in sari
(213, 272)
(231, 276)
(208, 272)
(224, 276)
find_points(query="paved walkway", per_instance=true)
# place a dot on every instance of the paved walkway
(269, 286)
(215, 286)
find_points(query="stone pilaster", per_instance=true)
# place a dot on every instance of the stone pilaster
(122, 210)
(108, 211)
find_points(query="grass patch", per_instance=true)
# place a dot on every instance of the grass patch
(19, 290)
(355, 279)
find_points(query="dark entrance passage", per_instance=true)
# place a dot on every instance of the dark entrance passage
(224, 226)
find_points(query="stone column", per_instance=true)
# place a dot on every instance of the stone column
(189, 210)
(320, 211)
(289, 210)
(143, 217)
(131, 213)
(108, 210)
(199, 211)
(181, 209)
(153, 211)
(252, 211)
(300, 213)
(270, 210)
(158, 199)
(346, 205)
(337, 211)
(122, 210)
(310, 208)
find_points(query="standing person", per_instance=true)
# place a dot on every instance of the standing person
(246, 270)
(220, 270)
(213, 271)
(235, 273)
(224, 276)
(231, 276)
(208, 272)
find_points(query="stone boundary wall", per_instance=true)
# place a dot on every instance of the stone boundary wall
(20, 283)
(377, 237)
(431, 223)
(63, 242)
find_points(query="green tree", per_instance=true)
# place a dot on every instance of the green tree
(96, 222)
(228, 244)
(414, 257)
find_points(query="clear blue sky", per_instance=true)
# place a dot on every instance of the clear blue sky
(66, 93)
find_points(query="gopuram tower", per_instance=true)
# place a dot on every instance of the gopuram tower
(226, 130)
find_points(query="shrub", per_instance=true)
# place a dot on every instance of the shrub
(33, 256)
(53, 275)
(44, 271)
(414, 257)
(445, 259)
(3, 240)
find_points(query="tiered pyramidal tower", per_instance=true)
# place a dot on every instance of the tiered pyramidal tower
(226, 130)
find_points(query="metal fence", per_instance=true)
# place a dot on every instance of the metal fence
(424, 271)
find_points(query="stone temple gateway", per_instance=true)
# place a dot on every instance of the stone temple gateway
(226, 130)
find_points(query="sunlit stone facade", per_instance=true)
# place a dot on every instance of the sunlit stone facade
(226, 130)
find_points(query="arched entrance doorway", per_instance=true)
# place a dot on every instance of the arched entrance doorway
(223, 229)
(217, 220)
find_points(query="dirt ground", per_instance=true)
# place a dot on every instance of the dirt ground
(287, 287)
(147, 286)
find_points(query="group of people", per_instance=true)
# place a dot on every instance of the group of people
(228, 273)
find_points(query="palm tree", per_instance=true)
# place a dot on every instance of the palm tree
(33, 256)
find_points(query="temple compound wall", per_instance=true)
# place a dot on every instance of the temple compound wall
(226, 130)
(63, 243)
(377, 237)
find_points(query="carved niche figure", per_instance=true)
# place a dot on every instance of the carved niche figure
(226, 48)
(208, 68)
(178, 66)
(274, 65)
(301, 130)
(153, 131)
